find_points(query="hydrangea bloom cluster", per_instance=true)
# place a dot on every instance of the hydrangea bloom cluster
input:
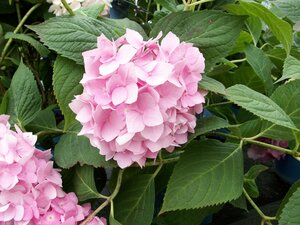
(265, 154)
(30, 188)
(58, 9)
(139, 96)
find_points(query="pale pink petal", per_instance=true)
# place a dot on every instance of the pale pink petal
(169, 42)
(123, 159)
(153, 133)
(123, 139)
(152, 117)
(134, 38)
(125, 54)
(132, 93)
(119, 95)
(134, 122)
(108, 68)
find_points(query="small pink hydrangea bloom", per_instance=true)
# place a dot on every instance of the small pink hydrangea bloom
(262, 154)
(139, 96)
(30, 188)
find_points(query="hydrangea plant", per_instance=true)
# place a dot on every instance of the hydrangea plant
(100, 117)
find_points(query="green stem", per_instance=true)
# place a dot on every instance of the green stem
(17, 3)
(257, 209)
(18, 28)
(196, 3)
(148, 9)
(238, 60)
(266, 145)
(262, 144)
(68, 8)
(108, 200)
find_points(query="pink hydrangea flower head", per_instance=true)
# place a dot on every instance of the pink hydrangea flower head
(30, 188)
(265, 154)
(139, 96)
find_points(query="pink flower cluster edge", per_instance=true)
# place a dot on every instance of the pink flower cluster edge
(139, 96)
(30, 188)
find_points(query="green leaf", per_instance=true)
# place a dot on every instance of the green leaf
(134, 205)
(249, 180)
(291, 8)
(208, 173)
(24, 98)
(290, 212)
(261, 64)
(44, 121)
(93, 10)
(211, 84)
(184, 217)
(213, 32)
(4, 103)
(41, 49)
(281, 29)
(113, 221)
(254, 26)
(168, 4)
(66, 77)
(243, 75)
(120, 25)
(240, 44)
(259, 105)
(69, 36)
(287, 97)
(72, 149)
(84, 183)
(207, 124)
(291, 69)
(286, 198)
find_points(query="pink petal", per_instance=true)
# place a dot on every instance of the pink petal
(85, 114)
(50, 191)
(169, 42)
(123, 139)
(123, 159)
(108, 68)
(109, 132)
(161, 73)
(134, 122)
(125, 54)
(19, 213)
(132, 93)
(152, 117)
(119, 95)
(134, 38)
(153, 133)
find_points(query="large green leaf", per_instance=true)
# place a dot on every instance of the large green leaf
(291, 8)
(24, 101)
(184, 217)
(291, 69)
(261, 64)
(66, 77)
(290, 212)
(211, 84)
(207, 124)
(41, 49)
(259, 105)
(72, 149)
(69, 36)
(84, 183)
(287, 97)
(286, 198)
(208, 173)
(213, 32)
(281, 29)
(134, 205)
(44, 121)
